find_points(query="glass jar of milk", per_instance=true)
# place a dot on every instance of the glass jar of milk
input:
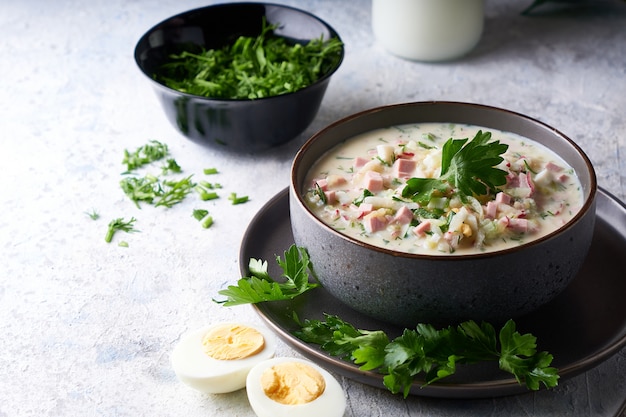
(428, 30)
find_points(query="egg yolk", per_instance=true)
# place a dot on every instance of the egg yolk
(232, 341)
(292, 383)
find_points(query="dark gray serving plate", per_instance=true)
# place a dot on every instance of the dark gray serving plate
(583, 326)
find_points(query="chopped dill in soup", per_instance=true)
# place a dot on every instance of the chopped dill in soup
(432, 188)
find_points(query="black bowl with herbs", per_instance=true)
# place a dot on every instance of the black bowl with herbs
(240, 76)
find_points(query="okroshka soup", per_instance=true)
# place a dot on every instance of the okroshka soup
(442, 188)
(461, 219)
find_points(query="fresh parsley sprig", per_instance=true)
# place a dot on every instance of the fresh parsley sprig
(431, 353)
(467, 169)
(260, 287)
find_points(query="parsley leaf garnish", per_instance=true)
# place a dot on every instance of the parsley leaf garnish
(260, 287)
(467, 168)
(433, 354)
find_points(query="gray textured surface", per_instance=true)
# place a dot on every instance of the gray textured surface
(87, 327)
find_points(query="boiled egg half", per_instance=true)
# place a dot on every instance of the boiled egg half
(293, 387)
(216, 359)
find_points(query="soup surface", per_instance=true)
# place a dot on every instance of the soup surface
(357, 189)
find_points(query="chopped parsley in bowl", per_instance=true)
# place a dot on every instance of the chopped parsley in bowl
(244, 101)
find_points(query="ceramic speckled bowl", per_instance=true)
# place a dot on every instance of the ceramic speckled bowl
(406, 289)
(235, 124)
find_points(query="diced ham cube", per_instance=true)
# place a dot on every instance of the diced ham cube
(373, 181)
(518, 225)
(503, 198)
(491, 210)
(404, 215)
(374, 222)
(550, 166)
(359, 163)
(331, 197)
(403, 168)
(551, 172)
(335, 181)
(512, 180)
(526, 186)
(422, 228)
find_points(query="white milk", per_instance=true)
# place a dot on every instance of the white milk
(428, 30)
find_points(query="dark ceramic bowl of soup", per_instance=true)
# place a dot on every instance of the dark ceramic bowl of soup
(398, 247)
(256, 121)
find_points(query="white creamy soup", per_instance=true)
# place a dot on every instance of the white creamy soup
(364, 188)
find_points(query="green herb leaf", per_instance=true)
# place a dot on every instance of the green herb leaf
(422, 190)
(119, 224)
(467, 169)
(519, 356)
(359, 200)
(320, 193)
(152, 151)
(93, 214)
(199, 214)
(431, 353)
(150, 189)
(260, 287)
(175, 192)
(141, 189)
(343, 340)
(171, 166)
(203, 217)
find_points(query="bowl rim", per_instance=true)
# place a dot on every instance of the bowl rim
(588, 202)
(143, 38)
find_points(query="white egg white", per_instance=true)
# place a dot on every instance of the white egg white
(198, 370)
(332, 402)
